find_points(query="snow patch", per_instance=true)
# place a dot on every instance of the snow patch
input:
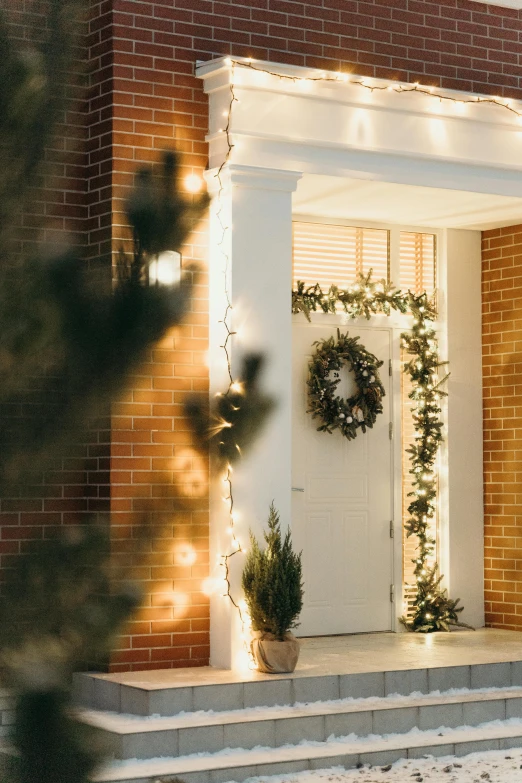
(492, 766)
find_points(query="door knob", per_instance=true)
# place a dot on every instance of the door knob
(297, 489)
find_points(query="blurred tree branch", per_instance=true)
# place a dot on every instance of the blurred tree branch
(65, 600)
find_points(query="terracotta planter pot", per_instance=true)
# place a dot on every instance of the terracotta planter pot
(272, 655)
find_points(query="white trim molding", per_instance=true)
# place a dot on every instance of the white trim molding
(342, 124)
(501, 3)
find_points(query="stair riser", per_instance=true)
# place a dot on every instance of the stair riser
(100, 694)
(377, 758)
(274, 733)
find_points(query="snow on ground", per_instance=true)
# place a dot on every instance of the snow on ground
(493, 766)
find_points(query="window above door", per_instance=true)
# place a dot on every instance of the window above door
(334, 254)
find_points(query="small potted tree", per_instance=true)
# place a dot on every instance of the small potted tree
(274, 596)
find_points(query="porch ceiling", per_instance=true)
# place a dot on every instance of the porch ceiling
(413, 205)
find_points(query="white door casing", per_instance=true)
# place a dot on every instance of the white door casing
(341, 521)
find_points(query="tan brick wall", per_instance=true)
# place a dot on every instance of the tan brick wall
(154, 466)
(502, 363)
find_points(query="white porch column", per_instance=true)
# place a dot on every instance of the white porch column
(251, 259)
(462, 540)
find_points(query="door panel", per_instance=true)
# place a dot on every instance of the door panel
(342, 519)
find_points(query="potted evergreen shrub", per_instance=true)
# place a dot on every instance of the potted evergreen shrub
(274, 596)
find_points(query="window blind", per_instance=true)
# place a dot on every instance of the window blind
(417, 262)
(334, 255)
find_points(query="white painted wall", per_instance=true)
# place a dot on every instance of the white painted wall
(462, 532)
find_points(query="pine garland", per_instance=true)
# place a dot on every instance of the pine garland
(363, 298)
(433, 610)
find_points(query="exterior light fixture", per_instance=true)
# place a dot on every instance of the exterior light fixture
(165, 269)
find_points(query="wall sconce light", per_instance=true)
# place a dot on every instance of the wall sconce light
(165, 269)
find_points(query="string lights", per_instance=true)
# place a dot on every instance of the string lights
(401, 88)
(234, 389)
(432, 610)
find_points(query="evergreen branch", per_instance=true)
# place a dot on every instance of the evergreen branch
(233, 419)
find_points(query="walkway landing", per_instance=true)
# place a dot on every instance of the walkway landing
(374, 652)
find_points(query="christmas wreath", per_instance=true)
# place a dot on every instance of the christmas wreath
(361, 409)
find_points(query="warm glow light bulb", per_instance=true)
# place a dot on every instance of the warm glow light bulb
(193, 183)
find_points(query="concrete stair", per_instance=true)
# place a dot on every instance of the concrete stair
(215, 732)
(274, 727)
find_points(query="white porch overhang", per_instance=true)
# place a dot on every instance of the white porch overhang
(351, 127)
(286, 140)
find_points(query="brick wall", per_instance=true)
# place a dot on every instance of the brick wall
(155, 471)
(76, 486)
(98, 110)
(502, 362)
(463, 45)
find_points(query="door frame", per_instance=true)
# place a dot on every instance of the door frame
(397, 323)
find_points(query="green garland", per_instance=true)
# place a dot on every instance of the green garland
(433, 610)
(361, 409)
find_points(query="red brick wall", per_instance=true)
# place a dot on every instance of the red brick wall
(98, 142)
(463, 45)
(58, 203)
(76, 486)
(502, 362)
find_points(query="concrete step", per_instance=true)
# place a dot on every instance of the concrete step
(240, 764)
(177, 691)
(212, 732)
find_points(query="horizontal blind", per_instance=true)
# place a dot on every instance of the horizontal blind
(334, 255)
(417, 262)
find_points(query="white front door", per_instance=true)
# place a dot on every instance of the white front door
(341, 521)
